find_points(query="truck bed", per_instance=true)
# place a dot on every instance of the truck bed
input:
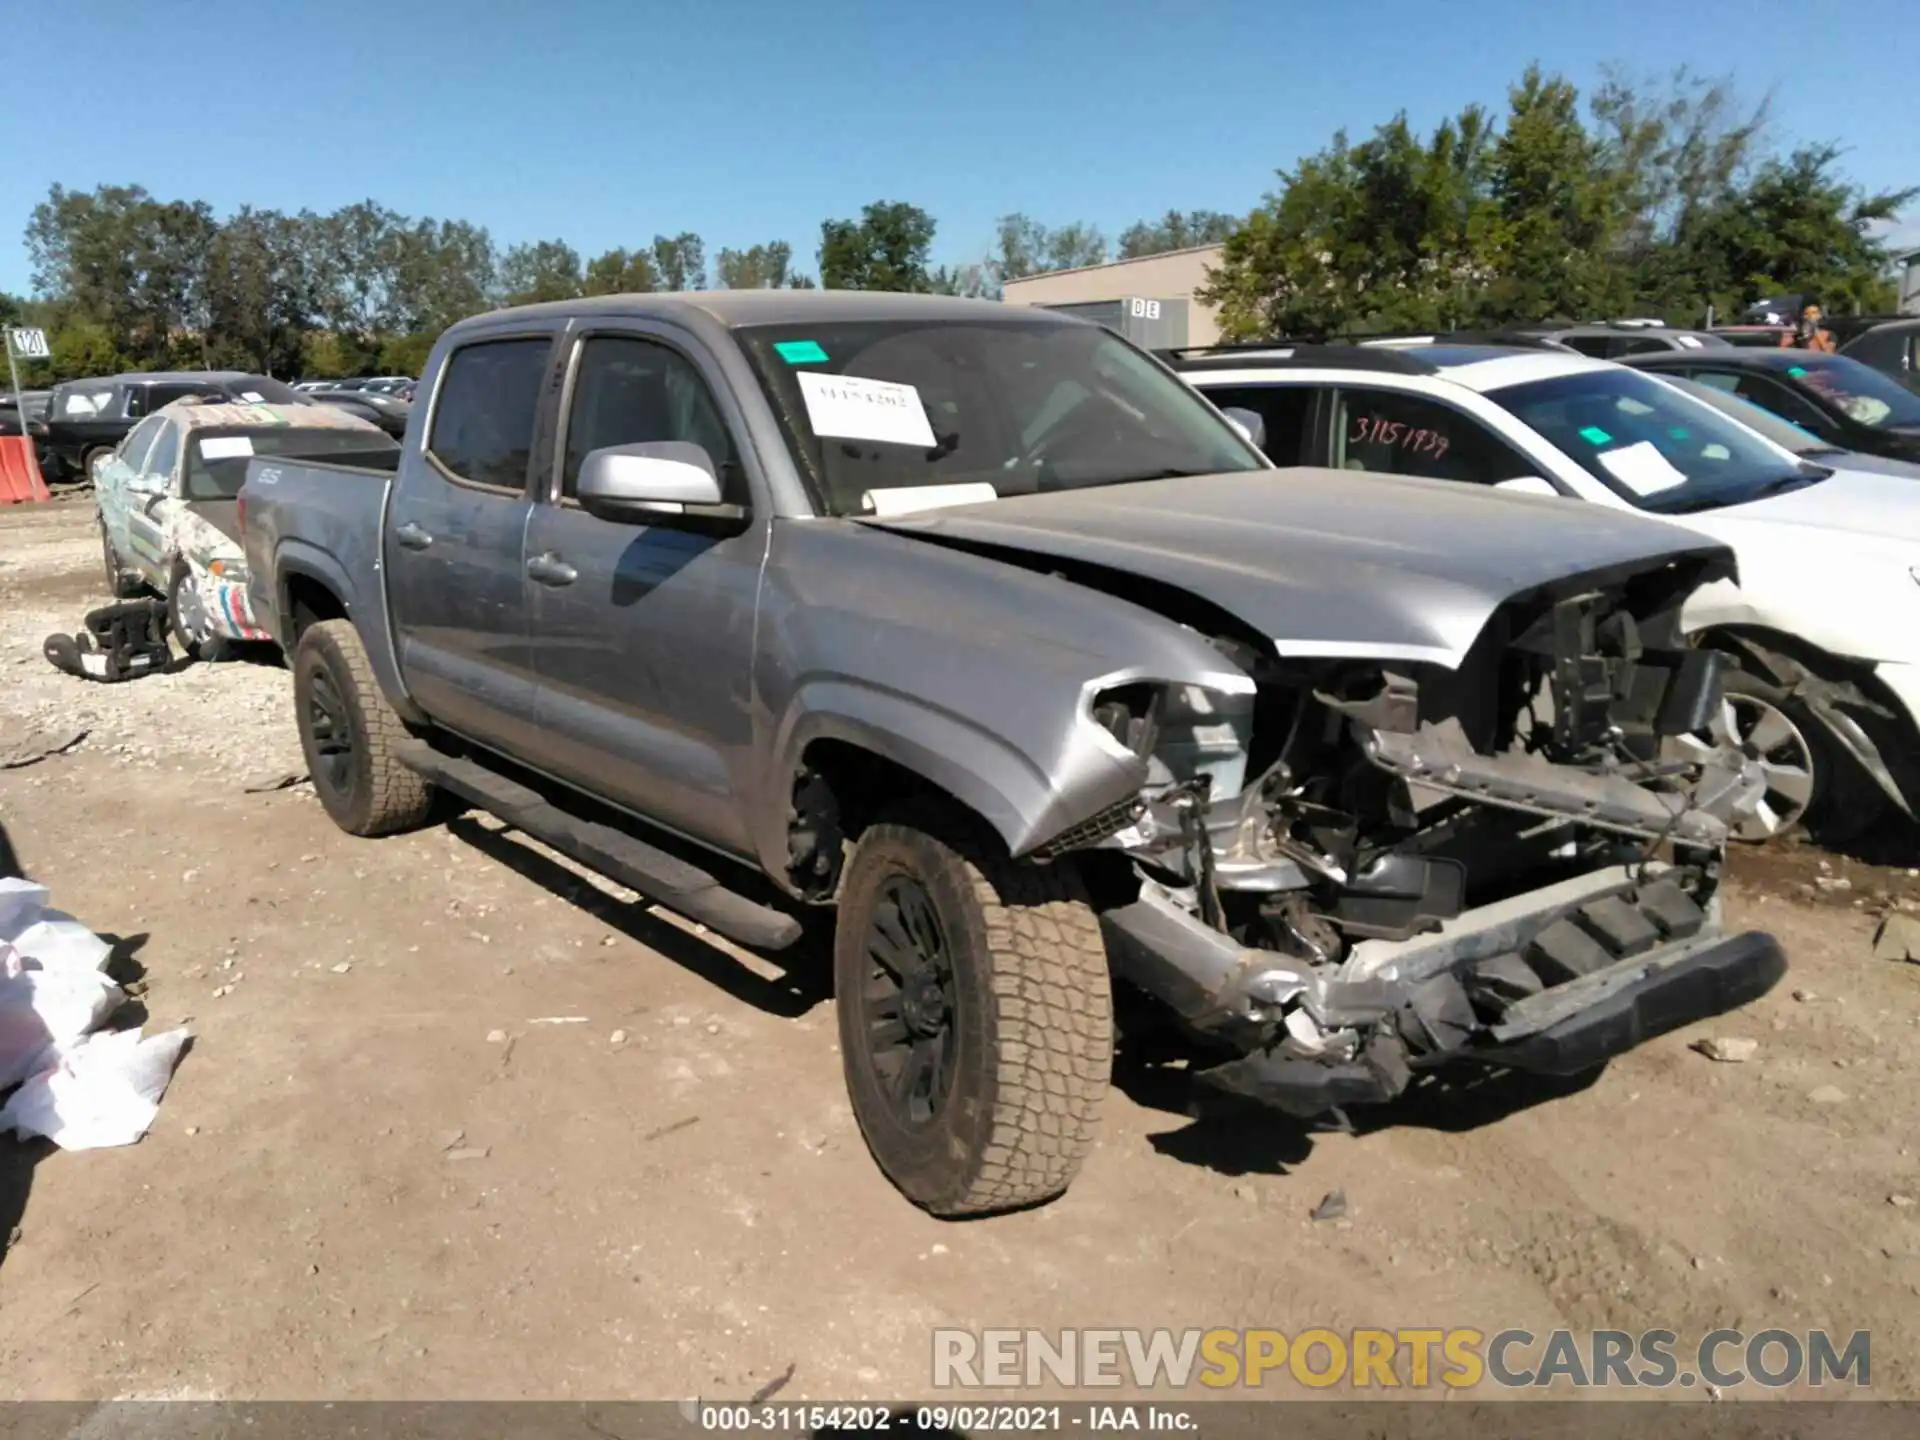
(320, 518)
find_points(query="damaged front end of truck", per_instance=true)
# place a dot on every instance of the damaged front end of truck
(1351, 870)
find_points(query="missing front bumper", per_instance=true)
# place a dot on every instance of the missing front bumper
(1556, 982)
(1624, 1006)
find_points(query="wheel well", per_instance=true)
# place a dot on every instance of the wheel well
(309, 601)
(839, 790)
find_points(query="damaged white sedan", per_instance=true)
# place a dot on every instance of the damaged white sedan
(169, 513)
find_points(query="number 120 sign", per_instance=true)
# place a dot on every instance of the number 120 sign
(29, 344)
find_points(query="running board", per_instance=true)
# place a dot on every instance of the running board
(619, 856)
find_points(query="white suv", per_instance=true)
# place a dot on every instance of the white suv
(1825, 618)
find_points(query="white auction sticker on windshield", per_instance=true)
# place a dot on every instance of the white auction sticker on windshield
(225, 447)
(848, 407)
(1642, 468)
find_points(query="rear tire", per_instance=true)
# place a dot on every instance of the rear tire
(349, 734)
(190, 633)
(976, 1018)
(91, 462)
(120, 585)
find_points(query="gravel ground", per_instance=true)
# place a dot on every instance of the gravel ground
(382, 1172)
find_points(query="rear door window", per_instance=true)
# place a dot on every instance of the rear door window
(1284, 412)
(483, 422)
(1387, 432)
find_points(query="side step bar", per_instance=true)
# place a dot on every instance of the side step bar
(652, 871)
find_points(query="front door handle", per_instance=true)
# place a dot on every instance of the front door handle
(550, 569)
(411, 537)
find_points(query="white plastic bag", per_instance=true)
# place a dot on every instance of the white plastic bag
(41, 1008)
(105, 1090)
(43, 938)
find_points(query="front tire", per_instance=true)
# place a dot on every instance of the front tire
(1811, 784)
(976, 1018)
(350, 733)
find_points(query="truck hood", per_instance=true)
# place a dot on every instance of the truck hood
(1327, 562)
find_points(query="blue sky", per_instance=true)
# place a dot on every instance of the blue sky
(603, 122)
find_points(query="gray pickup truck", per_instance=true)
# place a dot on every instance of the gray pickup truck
(979, 625)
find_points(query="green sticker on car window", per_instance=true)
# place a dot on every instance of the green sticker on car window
(1678, 432)
(800, 352)
(1796, 370)
(1594, 435)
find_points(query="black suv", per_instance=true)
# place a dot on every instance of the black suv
(87, 418)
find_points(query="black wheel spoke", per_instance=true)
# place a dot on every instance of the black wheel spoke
(907, 1006)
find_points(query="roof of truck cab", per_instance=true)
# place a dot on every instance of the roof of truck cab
(782, 307)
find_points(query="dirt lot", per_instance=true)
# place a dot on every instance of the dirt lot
(353, 1191)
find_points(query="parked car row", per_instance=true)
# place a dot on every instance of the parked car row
(978, 629)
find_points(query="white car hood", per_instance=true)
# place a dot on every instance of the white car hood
(1855, 509)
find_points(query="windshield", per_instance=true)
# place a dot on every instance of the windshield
(1860, 390)
(1784, 433)
(887, 416)
(1653, 446)
(217, 459)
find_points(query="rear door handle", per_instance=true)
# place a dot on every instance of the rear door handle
(550, 569)
(411, 537)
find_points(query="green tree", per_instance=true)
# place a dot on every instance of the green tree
(885, 249)
(406, 354)
(760, 267)
(1175, 231)
(1026, 247)
(971, 281)
(1799, 227)
(621, 272)
(680, 261)
(258, 293)
(1386, 234)
(1556, 212)
(543, 270)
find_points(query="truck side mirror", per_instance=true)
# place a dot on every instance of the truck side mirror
(633, 483)
(1527, 485)
(1249, 423)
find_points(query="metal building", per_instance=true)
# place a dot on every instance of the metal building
(1151, 300)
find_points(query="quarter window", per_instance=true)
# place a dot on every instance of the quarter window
(629, 391)
(483, 421)
(1283, 412)
(1388, 433)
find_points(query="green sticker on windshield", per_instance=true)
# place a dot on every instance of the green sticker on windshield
(1678, 432)
(1594, 435)
(1796, 370)
(800, 352)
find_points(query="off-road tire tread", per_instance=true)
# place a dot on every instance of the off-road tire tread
(396, 798)
(1051, 1037)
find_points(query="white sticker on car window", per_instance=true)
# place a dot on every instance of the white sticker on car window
(1689, 342)
(1642, 468)
(253, 397)
(905, 499)
(849, 407)
(225, 447)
